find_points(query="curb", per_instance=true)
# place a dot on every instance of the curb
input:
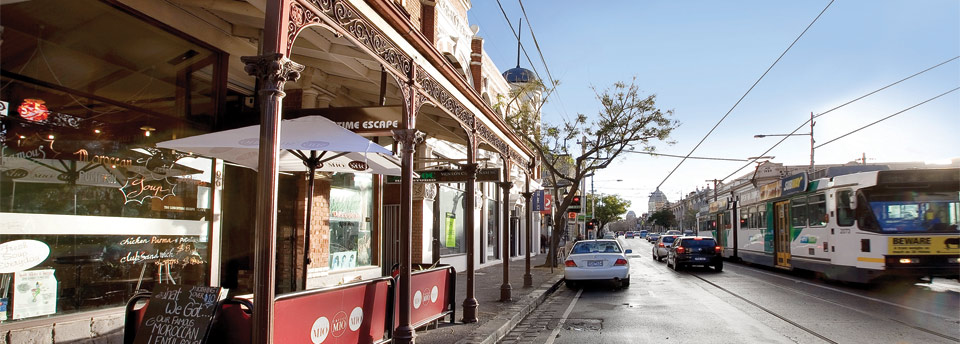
(498, 327)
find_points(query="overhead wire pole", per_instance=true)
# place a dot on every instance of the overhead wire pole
(838, 107)
(745, 94)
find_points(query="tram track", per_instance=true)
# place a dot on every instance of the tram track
(806, 329)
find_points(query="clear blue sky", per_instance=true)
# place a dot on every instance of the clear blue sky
(699, 57)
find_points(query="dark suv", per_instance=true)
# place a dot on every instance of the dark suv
(695, 250)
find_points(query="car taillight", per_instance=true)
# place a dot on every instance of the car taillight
(661, 244)
(570, 263)
(681, 249)
(621, 261)
(718, 249)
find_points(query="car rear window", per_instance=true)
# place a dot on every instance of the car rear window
(596, 247)
(669, 239)
(698, 243)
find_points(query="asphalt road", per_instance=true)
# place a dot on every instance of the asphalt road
(742, 304)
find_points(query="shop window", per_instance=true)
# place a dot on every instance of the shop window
(351, 207)
(451, 212)
(89, 91)
(493, 229)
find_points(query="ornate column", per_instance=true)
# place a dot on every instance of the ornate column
(527, 195)
(408, 137)
(470, 302)
(505, 185)
(272, 70)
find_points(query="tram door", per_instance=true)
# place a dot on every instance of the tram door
(719, 233)
(781, 234)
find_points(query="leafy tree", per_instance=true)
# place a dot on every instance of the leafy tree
(579, 146)
(663, 218)
(609, 209)
(690, 219)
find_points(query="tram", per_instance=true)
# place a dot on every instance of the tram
(859, 227)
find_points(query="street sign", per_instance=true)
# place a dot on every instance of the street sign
(581, 217)
(571, 215)
(450, 176)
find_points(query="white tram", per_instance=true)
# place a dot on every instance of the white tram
(857, 227)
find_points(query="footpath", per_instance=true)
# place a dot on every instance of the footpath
(495, 318)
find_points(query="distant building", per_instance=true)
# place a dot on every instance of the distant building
(657, 201)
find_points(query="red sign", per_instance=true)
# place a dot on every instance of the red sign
(571, 215)
(354, 314)
(33, 110)
(547, 204)
(429, 299)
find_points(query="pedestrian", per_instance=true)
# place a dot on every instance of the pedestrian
(543, 243)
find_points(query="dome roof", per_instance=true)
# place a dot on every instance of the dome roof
(519, 75)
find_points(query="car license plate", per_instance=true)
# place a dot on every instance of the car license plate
(594, 263)
(698, 259)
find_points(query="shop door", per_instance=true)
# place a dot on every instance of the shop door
(781, 234)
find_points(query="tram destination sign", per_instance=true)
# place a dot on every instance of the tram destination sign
(796, 183)
(450, 176)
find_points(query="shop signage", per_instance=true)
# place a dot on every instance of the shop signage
(451, 230)
(343, 260)
(358, 165)
(429, 299)
(179, 314)
(537, 200)
(15, 173)
(19, 255)
(547, 204)
(139, 189)
(33, 110)
(796, 183)
(34, 293)
(349, 314)
(769, 191)
(456, 176)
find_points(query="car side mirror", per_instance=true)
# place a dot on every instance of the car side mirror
(628, 251)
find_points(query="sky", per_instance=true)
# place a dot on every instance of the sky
(700, 57)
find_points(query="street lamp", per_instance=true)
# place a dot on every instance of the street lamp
(801, 134)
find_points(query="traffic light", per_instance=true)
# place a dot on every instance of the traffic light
(575, 204)
(591, 225)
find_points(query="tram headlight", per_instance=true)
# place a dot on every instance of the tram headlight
(954, 260)
(909, 260)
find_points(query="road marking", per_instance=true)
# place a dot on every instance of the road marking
(853, 294)
(556, 331)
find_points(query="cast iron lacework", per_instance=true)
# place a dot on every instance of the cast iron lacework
(442, 98)
(350, 21)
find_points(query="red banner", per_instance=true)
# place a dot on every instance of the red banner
(429, 300)
(354, 314)
(547, 204)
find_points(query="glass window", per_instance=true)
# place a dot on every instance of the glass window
(351, 206)
(909, 212)
(79, 172)
(596, 247)
(817, 210)
(493, 228)
(845, 214)
(706, 242)
(451, 221)
(798, 212)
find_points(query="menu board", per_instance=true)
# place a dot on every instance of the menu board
(179, 314)
(34, 293)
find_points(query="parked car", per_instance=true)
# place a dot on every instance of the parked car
(695, 250)
(662, 246)
(609, 235)
(596, 260)
(629, 235)
(672, 232)
(643, 234)
(651, 237)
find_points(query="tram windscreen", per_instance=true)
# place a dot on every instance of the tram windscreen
(909, 211)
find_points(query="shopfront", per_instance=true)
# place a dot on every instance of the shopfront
(91, 210)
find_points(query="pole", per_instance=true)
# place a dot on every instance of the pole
(527, 195)
(505, 185)
(811, 141)
(470, 303)
(409, 137)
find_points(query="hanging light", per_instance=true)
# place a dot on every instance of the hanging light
(97, 131)
(147, 129)
(51, 136)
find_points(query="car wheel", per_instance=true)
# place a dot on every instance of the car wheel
(653, 256)
(718, 267)
(676, 266)
(572, 284)
(625, 283)
(659, 259)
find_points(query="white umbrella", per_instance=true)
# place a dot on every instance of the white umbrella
(311, 143)
(338, 149)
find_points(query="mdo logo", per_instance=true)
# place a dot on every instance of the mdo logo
(356, 319)
(320, 330)
(339, 324)
(434, 293)
(417, 299)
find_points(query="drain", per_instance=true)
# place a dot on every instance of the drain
(586, 325)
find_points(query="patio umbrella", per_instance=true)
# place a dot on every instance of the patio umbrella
(313, 143)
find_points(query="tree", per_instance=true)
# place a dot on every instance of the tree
(609, 208)
(690, 218)
(626, 120)
(663, 218)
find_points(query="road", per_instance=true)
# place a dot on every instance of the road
(742, 304)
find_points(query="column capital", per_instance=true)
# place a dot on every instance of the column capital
(505, 185)
(408, 137)
(527, 195)
(273, 70)
(470, 169)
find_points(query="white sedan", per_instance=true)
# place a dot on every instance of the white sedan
(592, 260)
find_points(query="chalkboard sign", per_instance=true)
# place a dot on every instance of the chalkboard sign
(179, 314)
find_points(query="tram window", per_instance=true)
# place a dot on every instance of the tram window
(762, 217)
(845, 215)
(754, 220)
(798, 212)
(744, 219)
(817, 210)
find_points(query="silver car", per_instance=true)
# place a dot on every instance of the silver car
(662, 246)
